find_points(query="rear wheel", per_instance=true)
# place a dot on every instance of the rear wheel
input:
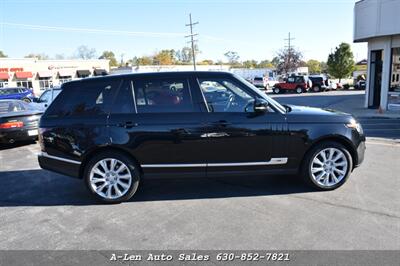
(27, 100)
(327, 166)
(316, 89)
(112, 177)
(299, 90)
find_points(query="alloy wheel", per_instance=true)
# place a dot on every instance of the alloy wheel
(110, 178)
(329, 167)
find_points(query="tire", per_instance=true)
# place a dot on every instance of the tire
(299, 90)
(126, 181)
(316, 89)
(276, 90)
(343, 165)
(27, 100)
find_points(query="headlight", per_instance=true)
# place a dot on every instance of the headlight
(355, 125)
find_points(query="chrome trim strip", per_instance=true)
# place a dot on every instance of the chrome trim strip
(273, 161)
(174, 165)
(44, 154)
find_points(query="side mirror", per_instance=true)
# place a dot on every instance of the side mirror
(260, 106)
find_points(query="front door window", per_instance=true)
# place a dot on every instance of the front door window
(223, 95)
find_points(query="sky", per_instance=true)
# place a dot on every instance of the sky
(255, 29)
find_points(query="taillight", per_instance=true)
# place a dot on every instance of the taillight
(14, 124)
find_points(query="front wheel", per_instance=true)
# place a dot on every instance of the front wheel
(112, 177)
(327, 166)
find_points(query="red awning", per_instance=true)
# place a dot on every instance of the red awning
(4, 75)
(23, 75)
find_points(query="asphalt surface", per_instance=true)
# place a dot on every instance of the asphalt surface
(44, 210)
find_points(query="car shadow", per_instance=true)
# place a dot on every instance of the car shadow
(8, 146)
(43, 188)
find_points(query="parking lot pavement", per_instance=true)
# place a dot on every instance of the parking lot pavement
(43, 210)
(380, 126)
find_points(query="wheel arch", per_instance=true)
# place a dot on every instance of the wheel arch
(97, 150)
(334, 138)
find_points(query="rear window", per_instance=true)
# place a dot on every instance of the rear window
(15, 106)
(258, 79)
(84, 98)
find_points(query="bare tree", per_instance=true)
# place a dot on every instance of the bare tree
(85, 52)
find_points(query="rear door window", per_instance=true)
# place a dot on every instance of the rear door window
(163, 96)
(123, 103)
(85, 98)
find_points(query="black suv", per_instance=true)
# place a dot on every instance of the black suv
(318, 83)
(113, 131)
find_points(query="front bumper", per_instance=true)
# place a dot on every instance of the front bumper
(360, 153)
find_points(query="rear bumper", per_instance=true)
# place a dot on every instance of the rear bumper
(59, 165)
(8, 136)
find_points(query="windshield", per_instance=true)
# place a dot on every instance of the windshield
(263, 95)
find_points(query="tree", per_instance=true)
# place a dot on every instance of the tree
(233, 57)
(324, 67)
(165, 57)
(314, 66)
(288, 60)
(144, 60)
(184, 56)
(206, 62)
(341, 62)
(110, 56)
(265, 64)
(85, 52)
(250, 64)
(275, 61)
(2, 54)
(41, 56)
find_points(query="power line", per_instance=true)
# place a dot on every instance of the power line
(192, 40)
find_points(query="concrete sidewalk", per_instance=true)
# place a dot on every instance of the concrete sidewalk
(355, 106)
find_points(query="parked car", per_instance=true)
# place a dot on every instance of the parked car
(18, 93)
(47, 97)
(114, 131)
(298, 84)
(259, 82)
(18, 121)
(360, 85)
(319, 83)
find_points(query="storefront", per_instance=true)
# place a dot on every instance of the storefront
(378, 23)
(43, 74)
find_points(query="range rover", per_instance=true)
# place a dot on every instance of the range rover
(115, 131)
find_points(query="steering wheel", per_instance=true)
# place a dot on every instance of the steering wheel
(229, 103)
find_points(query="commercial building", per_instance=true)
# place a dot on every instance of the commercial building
(378, 23)
(42, 74)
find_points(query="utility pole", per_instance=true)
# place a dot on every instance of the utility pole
(289, 39)
(192, 40)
